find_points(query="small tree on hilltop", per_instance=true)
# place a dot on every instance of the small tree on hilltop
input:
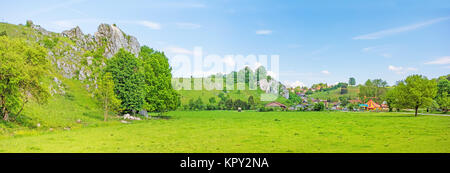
(415, 91)
(352, 81)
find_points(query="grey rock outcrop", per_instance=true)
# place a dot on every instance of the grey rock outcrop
(273, 87)
(114, 38)
(38, 28)
(109, 37)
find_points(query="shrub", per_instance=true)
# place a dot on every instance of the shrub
(319, 106)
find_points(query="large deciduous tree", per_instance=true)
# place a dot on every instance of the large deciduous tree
(128, 80)
(415, 91)
(23, 66)
(442, 97)
(159, 93)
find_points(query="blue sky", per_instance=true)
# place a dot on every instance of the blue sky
(317, 42)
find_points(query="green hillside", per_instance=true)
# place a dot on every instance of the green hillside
(334, 95)
(76, 109)
(186, 95)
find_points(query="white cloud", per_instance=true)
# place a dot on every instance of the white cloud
(326, 72)
(178, 50)
(148, 24)
(294, 84)
(188, 25)
(367, 49)
(441, 61)
(401, 70)
(383, 33)
(386, 55)
(256, 65)
(229, 61)
(264, 32)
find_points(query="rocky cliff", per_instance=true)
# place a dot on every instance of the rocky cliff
(72, 51)
(108, 36)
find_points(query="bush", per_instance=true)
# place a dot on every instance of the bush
(319, 106)
(48, 43)
(210, 107)
(264, 109)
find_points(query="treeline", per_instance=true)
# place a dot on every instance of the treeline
(415, 92)
(126, 84)
(246, 76)
(222, 102)
(130, 84)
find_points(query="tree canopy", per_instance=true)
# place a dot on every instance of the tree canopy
(23, 67)
(159, 93)
(443, 91)
(105, 94)
(374, 89)
(128, 80)
(415, 91)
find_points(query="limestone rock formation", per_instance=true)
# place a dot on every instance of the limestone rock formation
(113, 39)
(109, 36)
(273, 87)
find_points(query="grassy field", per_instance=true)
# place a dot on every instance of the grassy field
(227, 131)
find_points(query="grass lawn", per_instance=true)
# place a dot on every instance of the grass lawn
(226, 131)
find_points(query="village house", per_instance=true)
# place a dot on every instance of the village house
(276, 104)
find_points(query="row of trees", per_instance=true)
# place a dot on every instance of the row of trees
(129, 84)
(373, 89)
(244, 76)
(417, 91)
(224, 103)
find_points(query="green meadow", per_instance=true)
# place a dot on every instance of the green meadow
(248, 132)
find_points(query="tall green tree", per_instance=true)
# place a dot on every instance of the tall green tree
(251, 102)
(374, 89)
(23, 67)
(128, 80)
(105, 94)
(352, 81)
(159, 93)
(415, 91)
(391, 99)
(443, 97)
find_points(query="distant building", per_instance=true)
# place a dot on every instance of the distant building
(354, 101)
(276, 104)
(301, 94)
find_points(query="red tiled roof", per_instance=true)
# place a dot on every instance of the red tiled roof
(275, 104)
